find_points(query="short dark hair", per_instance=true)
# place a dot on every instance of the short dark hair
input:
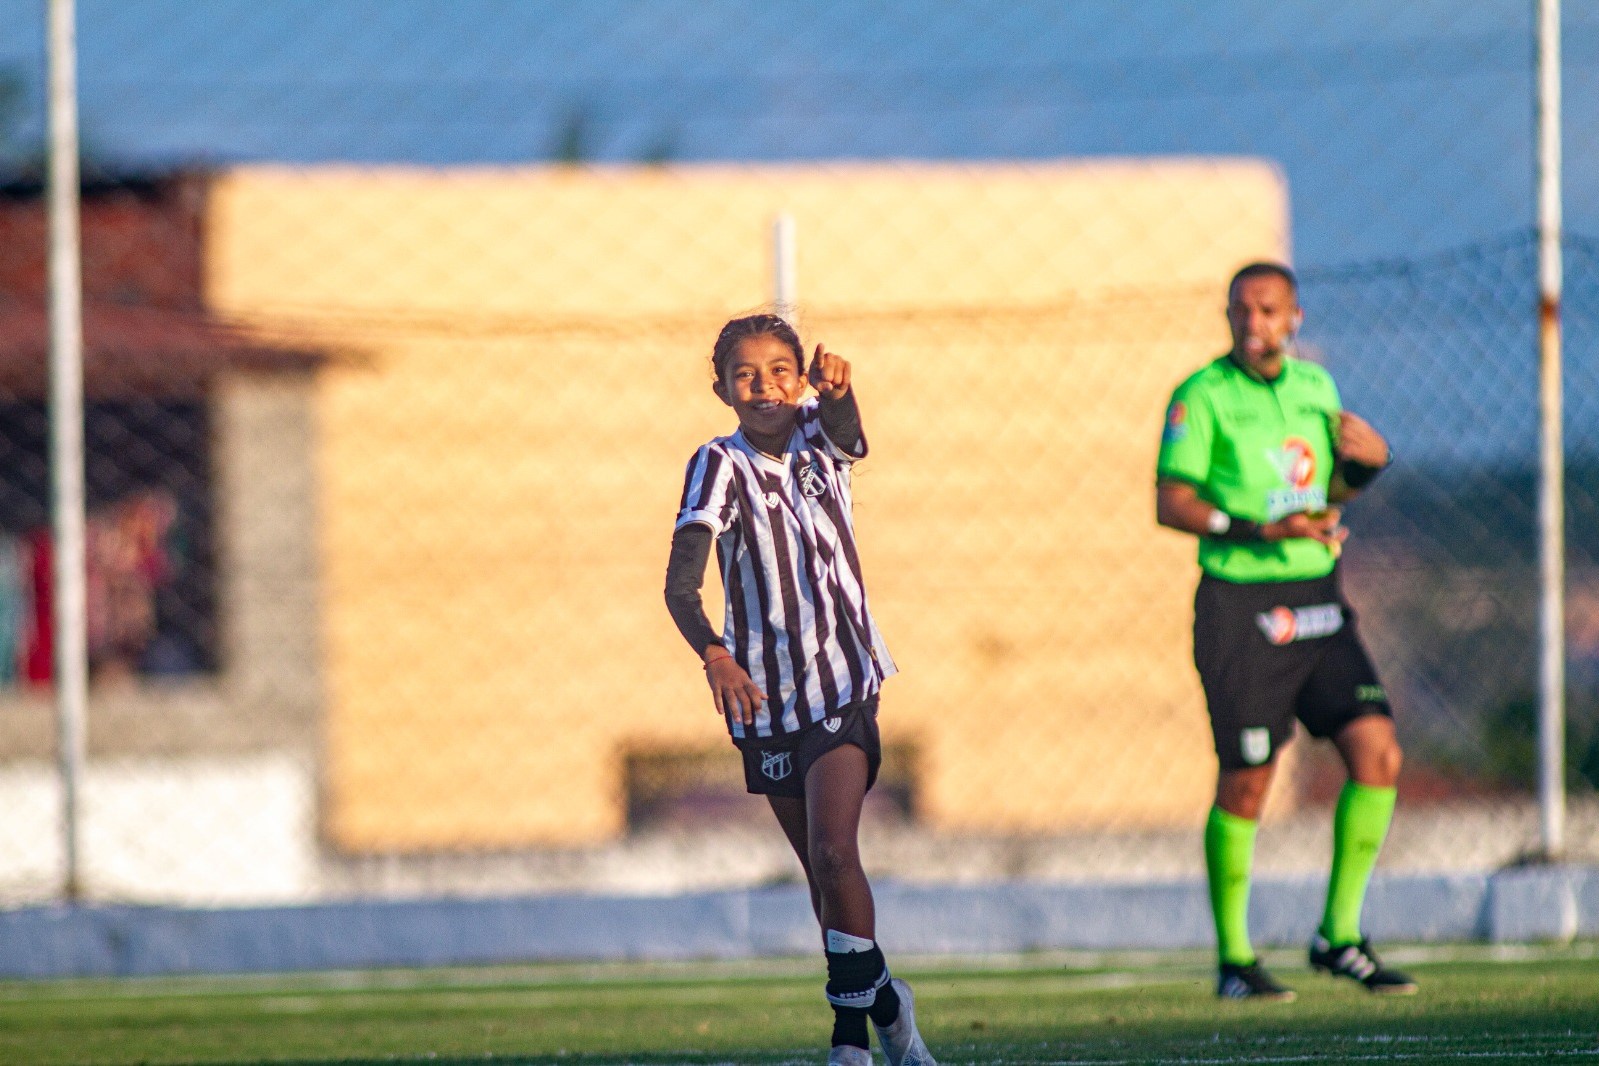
(1264, 269)
(762, 325)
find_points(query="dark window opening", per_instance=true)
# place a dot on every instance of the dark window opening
(151, 566)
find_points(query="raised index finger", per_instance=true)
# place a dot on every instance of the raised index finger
(816, 361)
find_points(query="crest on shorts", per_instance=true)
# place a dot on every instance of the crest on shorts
(776, 765)
(812, 483)
(832, 725)
(1254, 744)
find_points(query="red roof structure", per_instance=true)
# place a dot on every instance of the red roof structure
(147, 332)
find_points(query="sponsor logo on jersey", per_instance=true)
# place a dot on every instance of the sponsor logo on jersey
(1254, 744)
(832, 725)
(1296, 462)
(1176, 422)
(812, 482)
(1291, 501)
(776, 764)
(1284, 625)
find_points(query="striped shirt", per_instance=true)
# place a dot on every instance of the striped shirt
(796, 619)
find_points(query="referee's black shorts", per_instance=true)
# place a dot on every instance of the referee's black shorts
(1274, 652)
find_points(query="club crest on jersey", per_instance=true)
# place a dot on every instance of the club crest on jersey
(1176, 422)
(1254, 744)
(811, 481)
(1284, 625)
(776, 765)
(832, 725)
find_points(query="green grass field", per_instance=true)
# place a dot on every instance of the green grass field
(1476, 1004)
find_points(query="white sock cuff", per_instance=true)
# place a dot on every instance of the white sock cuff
(860, 1000)
(844, 944)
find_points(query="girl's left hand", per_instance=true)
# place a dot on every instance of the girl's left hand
(829, 374)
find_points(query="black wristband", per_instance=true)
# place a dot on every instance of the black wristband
(1359, 475)
(1242, 531)
(1224, 526)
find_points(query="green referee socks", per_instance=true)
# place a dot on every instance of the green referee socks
(1359, 825)
(1229, 854)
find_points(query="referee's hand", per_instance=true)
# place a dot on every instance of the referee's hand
(737, 698)
(1358, 441)
(829, 374)
(1324, 526)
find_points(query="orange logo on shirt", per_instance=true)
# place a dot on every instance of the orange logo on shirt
(1298, 463)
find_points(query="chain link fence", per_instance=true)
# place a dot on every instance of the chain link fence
(397, 329)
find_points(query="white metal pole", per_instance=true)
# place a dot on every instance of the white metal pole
(785, 269)
(1551, 481)
(66, 436)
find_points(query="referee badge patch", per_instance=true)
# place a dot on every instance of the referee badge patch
(1176, 423)
(1255, 745)
(776, 765)
(812, 483)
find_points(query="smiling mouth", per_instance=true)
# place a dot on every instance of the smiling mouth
(765, 405)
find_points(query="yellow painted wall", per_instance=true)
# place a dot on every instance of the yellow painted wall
(500, 461)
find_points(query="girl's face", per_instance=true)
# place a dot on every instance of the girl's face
(763, 383)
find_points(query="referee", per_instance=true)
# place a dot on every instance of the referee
(1256, 455)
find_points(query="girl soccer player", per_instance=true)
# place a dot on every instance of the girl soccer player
(797, 667)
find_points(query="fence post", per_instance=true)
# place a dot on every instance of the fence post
(66, 437)
(1551, 480)
(785, 269)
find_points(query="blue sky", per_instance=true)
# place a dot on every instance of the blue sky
(1402, 127)
(1405, 128)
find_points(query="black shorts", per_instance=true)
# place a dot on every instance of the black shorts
(1273, 652)
(776, 766)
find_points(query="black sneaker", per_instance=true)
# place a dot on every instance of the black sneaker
(1359, 962)
(1250, 982)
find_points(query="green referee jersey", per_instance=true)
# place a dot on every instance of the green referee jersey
(1258, 450)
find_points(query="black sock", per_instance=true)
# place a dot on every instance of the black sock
(885, 1008)
(849, 1027)
(853, 975)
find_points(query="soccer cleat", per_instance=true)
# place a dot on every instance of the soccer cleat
(902, 1045)
(1359, 962)
(849, 1055)
(1250, 982)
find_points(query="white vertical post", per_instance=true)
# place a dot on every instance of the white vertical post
(785, 269)
(1551, 468)
(66, 435)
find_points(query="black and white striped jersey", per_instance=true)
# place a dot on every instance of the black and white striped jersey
(797, 618)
